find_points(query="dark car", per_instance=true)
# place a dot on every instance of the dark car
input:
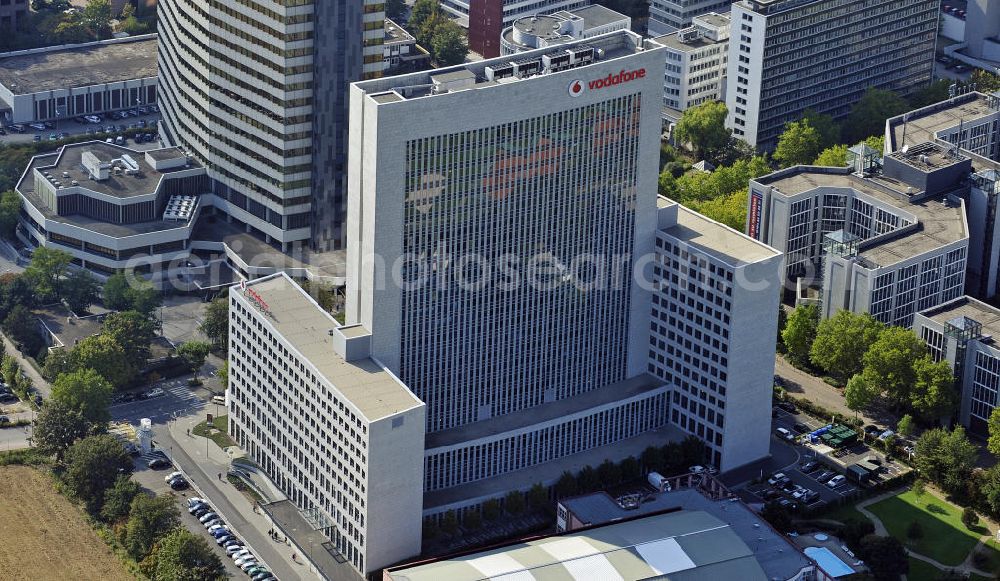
(787, 406)
(770, 494)
(873, 430)
(809, 466)
(202, 511)
(231, 542)
(158, 463)
(826, 476)
(810, 497)
(224, 539)
(179, 484)
(800, 428)
(262, 576)
(784, 502)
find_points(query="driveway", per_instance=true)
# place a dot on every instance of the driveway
(798, 383)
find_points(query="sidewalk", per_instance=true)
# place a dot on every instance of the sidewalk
(235, 508)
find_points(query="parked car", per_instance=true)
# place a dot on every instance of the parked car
(809, 466)
(4, 420)
(249, 564)
(784, 502)
(787, 406)
(262, 576)
(836, 481)
(233, 548)
(220, 540)
(179, 483)
(784, 434)
(195, 500)
(199, 507)
(800, 428)
(158, 463)
(777, 478)
(240, 554)
(202, 511)
(207, 517)
(215, 521)
(38, 126)
(172, 475)
(155, 392)
(800, 493)
(810, 497)
(825, 476)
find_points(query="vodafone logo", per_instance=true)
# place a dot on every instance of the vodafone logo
(575, 88)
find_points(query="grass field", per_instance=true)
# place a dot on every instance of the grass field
(921, 571)
(220, 437)
(43, 536)
(938, 518)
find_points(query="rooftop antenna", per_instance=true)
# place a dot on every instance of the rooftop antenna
(906, 117)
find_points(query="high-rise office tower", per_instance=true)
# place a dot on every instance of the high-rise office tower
(258, 95)
(786, 56)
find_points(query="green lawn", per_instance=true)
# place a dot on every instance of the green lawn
(221, 438)
(921, 571)
(940, 520)
(844, 513)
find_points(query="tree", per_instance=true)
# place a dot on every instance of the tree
(491, 509)
(9, 368)
(134, 333)
(80, 290)
(86, 391)
(885, 556)
(833, 156)
(22, 328)
(652, 459)
(889, 362)
(216, 323)
(800, 331)
(986, 82)
(472, 520)
(118, 499)
(513, 503)
(704, 127)
(945, 458)
(538, 496)
(798, 144)
(933, 393)
(142, 297)
(609, 473)
(92, 466)
(223, 374)
(969, 517)
(45, 272)
(827, 129)
(194, 354)
(448, 44)
(868, 115)
(102, 353)
(854, 530)
(97, 18)
(566, 486)
(730, 210)
(858, 394)
(914, 531)
(905, 427)
(58, 362)
(115, 292)
(777, 516)
(149, 518)
(180, 555)
(10, 208)
(842, 341)
(421, 11)
(991, 489)
(587, 479)
(58, 427)
(935, 92)
(630, 469)
(395, 9)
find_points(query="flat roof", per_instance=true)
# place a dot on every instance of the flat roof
(306, 327)
(82, 65)
(673, 41)
(394, 33)
(779, 558)
(924, 124)
(941, 222)
(596, 15)
(686, 545)
(67, 329)
(966, 306)
(715, 239)
(547, 411)
(69, 159)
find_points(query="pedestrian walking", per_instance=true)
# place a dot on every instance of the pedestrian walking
(220, 475)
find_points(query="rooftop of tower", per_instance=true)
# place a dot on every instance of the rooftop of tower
(92, 63)
(730, 246)
(505, 69)
(306, 327)
(967, 307)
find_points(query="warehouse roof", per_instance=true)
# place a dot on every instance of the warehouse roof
(680, 546)
(302, 323)
(93, 63)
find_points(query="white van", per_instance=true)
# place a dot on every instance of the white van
(219, 399)
(784, 434)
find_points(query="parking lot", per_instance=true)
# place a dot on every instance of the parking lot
(108, 126)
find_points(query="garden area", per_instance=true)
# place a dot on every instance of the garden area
(217, 431)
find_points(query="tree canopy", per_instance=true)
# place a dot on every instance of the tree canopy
(933, 393)
(149, 518)
(10, 207)
(84, 390)
(194, 354)
(216, 323)
(945, 458)
(889, 362)
(92, 466)
(704, 127)
(799, 144)
(858, 394)
(58, 426)
(183, 556)
(800, 331)
(868, 115)
(841, 342)
(134, 332)
(104, 354)
(45, 271)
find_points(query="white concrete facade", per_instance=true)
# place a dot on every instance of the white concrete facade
(334, 430)
(666, 16)
(712, 330)
(697, 59)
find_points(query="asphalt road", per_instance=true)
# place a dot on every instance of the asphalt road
(73, 128)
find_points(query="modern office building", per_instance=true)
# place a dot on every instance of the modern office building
(666, 16)
(786, 56)
(338, 433)
(401, 52)
(53, 83)
(887, 235)
(962, 332)
(112, 207)
(712, 327)
(696, 64)
(541, 31)
(487, 19)
(257, 94)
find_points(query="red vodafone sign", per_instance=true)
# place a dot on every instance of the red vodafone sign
(576, 88)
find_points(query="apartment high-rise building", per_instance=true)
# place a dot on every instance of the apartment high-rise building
(786, 56)
(666, 16)
(258, 95)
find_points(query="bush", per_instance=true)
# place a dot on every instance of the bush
(969, 517)
(914, 531)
